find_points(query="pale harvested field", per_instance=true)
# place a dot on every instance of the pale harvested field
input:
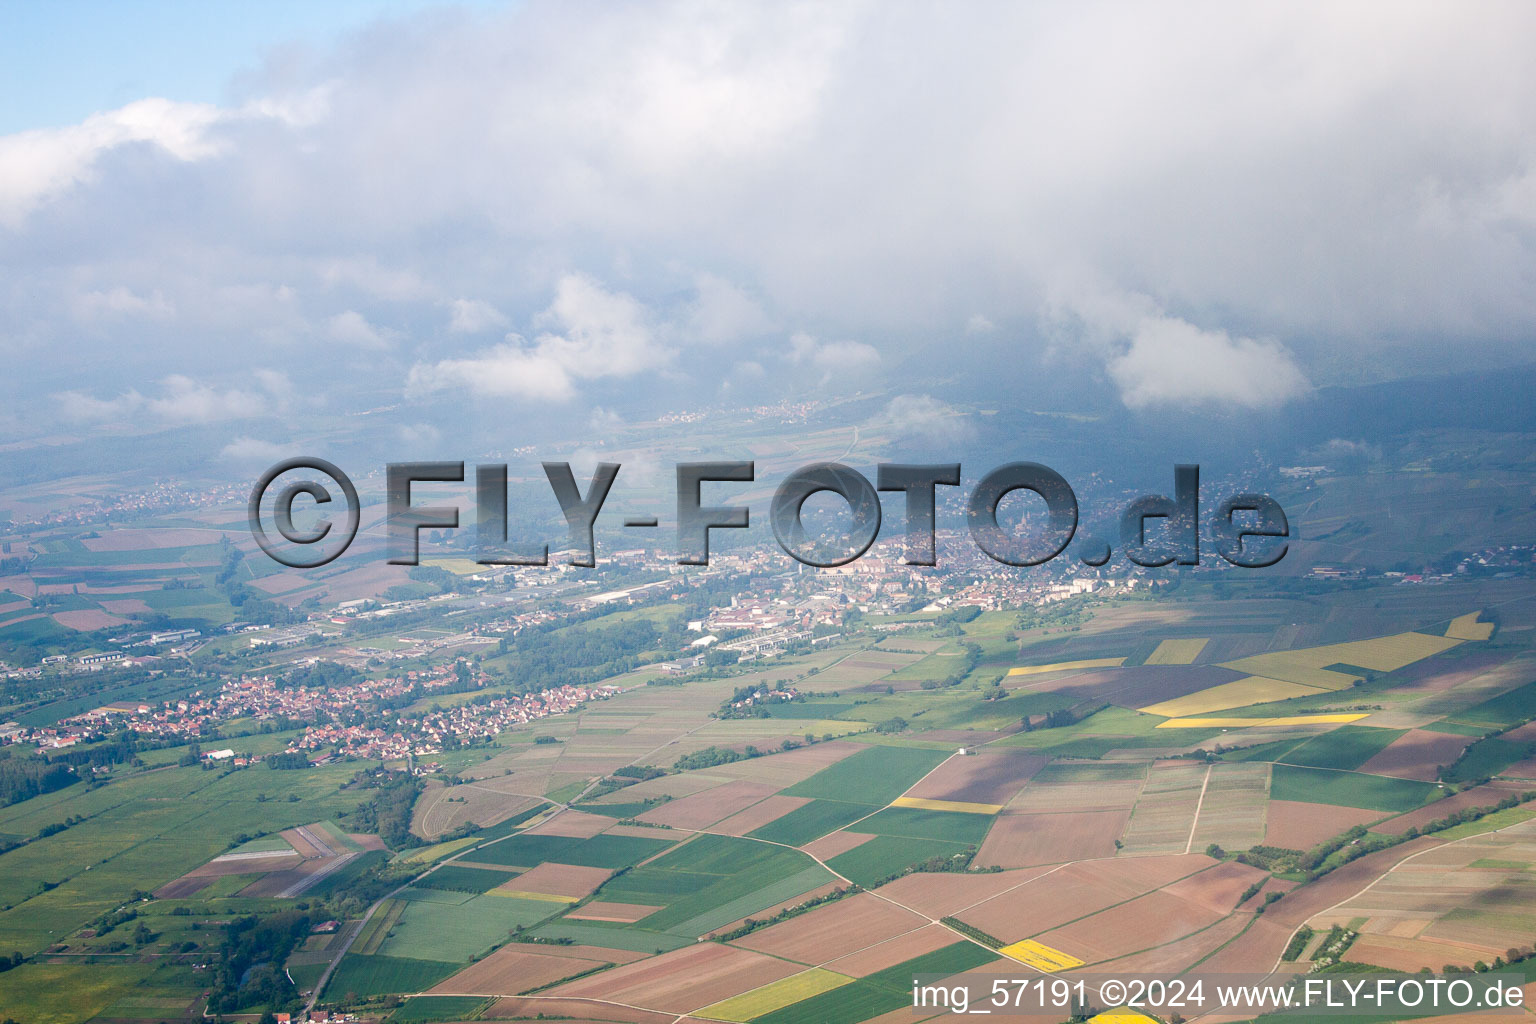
(512, 969)
(1023, 840)
(573, 823)
(893, 951)
(1476, 896)
(132, 539)
(683, 980)
(820, 935)
(1416, 754)
(1233, 811)
(990, 776)
(441, 809)
(758, 815)
(834, 843)
(1300, 826)
(1076, 796)
(125, 605)
(1163, 819)
(622, 913)
(673, 786)
(88, 619)
(704, 809)
(553, 879)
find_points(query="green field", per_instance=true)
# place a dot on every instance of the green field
(598, 852)
(1349, 789)
(881, 992)
(456, 932)
(875, 776)
(916, 823)
(812, 821)
(454, 878)
(711, 876)
(1348, 746)
(1503, 711)
(139, 832)
(884, 856)
(1487, 758)
(379, 975)
(65, 993)
(426, 1009)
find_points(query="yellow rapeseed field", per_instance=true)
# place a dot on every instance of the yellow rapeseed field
(1041, 956)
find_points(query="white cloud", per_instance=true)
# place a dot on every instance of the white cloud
(835, 359)
(1171, 362)
(38, 165)
(724, 313)
(124, 302)
(591, 333)
(925, 419)
(252, 450)
(473, 316)
(182, 400)
(352, 328)
(731, 172)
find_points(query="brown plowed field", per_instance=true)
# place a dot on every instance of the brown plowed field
(1416, 754)
(1075, 890)
(1180, 955)
(1142, 923)
(683, 980)
(1255, 951)
(894, 951)
(820, 935)
(703, 809)
(512, 969)
(834, 843)
(1218, 888)
(572, 1010)
(790, 767)
(1021, 840)
(1477, 796)
(1409, 954)
(944, 894)
(558, 880)
(576, 824)
(759, 814)
(1300, 826)
(989, 777)
(623, 913)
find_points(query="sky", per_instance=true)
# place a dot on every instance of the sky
(63, 60)
(574, 211)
